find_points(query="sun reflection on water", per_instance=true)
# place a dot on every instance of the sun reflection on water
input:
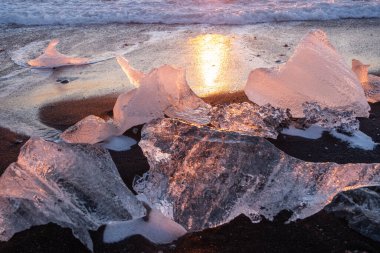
(211, 54)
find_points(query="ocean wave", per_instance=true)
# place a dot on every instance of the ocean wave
(51, 12)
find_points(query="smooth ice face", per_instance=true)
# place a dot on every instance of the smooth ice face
(164, 91)
(370, 83)
(51, 58)
(203, 178)
(247, 118)
(315, 73)
(74, 186)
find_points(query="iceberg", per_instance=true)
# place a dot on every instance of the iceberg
(314, 73)
(251, 119)
(73, 185)
(163, 91)
(201, 177)
(370, 83)
(51, 58)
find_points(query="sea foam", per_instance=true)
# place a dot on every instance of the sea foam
(31, 12)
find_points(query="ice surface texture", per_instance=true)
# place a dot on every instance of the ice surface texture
(202, 177)
(361, 207)
(330, 119)
(370, 83)
(51, 58)
(164, 91)
(73, 185)
(250, 119)
(315, 73)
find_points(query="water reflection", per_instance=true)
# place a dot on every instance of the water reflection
(212, 56)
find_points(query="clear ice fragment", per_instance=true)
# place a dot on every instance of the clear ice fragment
(73, 185)
(250, 119)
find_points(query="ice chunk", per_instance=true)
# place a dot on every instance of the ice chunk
(156, 227)
(361, 207)
(315, 73)
(51, 58)
(119, 143)
(164, 91)
(209, 177)
(370, 83)
(73, 185)
(251, 119)
(357, 139)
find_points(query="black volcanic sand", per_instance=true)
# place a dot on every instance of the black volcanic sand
(322, 232)
(10, 144)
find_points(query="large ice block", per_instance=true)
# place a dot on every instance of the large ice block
(314, 73)
(73, 185)
(202, 177)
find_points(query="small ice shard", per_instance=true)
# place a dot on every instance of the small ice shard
(163, 91)
(206, 177)
(156, 227)
(361, 70)
(51, 58)
(315, 73)
(330, 119)
(357, 139)
(361, 208)
(73, 185)
(370, 83)
(313, 132)
(250, 119)
(119, 143)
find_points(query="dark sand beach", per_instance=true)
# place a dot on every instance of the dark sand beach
(322, 232)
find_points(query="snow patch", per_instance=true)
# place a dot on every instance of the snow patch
(156, 227)
(357, 139)
(119, 143)
(313, 132)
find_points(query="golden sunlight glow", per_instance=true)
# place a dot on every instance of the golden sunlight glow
(212, 55)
